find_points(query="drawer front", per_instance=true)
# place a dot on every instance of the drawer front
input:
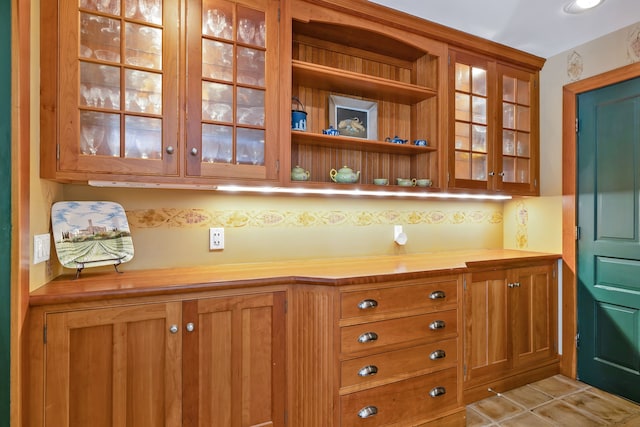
(395, 365)
(376, 335)
(415, 399)
(428, 297)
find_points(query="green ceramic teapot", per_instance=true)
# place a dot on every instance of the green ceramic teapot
(344, 175)
(299, 174)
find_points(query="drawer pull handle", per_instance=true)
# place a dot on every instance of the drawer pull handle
(438, 354)
(367, 371)
(367, 303)
(437, 391)
(368, 411)
(367, 337)
(437, 324)
(437, 295)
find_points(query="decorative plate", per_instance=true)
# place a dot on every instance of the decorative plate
(91, 234)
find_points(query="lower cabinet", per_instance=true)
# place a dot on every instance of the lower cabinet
(215, 361)
(510, 327)
(377, 355)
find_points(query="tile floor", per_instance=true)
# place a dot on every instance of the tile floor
(555, 401)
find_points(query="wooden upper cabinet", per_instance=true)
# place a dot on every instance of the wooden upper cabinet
(122, 100)
(371, 83)
(493, 127)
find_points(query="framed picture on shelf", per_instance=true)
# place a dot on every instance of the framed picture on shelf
(353, 117)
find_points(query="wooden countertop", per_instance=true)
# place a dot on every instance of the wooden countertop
(91, 286)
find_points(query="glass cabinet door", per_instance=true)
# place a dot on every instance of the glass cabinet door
(518, 104)
(119, 89)
(229, 103)
(471, 104)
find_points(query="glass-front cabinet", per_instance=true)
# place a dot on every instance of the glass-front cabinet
(494, 136)
(121, 99)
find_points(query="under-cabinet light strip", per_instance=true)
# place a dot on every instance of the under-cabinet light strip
(301, 190)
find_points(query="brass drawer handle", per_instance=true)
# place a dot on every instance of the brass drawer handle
(437, 391)
(437, 324)
(437, 295)
(367, 303)
(367, 337)
(368, 370)
(367, 411)
(438, 354)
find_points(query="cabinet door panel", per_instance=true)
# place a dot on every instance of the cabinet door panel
(236, 361)
(113, 366)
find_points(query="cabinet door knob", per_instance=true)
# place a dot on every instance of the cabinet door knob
(437, 391)
(367, 337)
(190, 327)
(437, 324)
(173, 329)
(367, 411)
(368, 370)
(170, 149)
(437, 295)
(367, 303)
(516, 285)
(492, 173)
(194, 151)
(438, 354)
(501, 174)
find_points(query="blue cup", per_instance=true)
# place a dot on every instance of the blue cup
(420, 142)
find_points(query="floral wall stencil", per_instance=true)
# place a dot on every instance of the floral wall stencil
(202, 218)
(633, 44)
(522, 218)
(575, 66)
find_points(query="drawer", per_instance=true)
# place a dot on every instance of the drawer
(368, 371)
(428, 297)
(377, 335)
(416, 399)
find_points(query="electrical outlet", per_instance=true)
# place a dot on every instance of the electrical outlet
(216, 239)
(41, 248)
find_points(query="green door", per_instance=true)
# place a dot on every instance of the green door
(609, 238)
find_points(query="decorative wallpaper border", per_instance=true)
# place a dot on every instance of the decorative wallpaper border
(202, 218)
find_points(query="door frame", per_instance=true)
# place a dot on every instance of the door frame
(570, 92)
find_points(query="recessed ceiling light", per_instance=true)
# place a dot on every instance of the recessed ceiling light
(579, 6)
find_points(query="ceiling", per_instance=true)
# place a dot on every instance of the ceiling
(540, 27)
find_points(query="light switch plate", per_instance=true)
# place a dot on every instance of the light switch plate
(41, 248)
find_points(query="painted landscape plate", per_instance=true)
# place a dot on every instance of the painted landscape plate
(91, 234)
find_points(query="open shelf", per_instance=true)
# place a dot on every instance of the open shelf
(343, 81)
(321, 140)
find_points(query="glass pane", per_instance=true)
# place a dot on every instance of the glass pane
(463, 166)
(111, 7)
(249, 21)
(99, 133)
(508, 169)
(250, 146)
(99, 86)
(146, 10)
(508, 142)
(479, 140)
(522, 170)
(250, 107)
(250, 66)
(523, 92)
(462, 136)
(508, 115)
(479, 167)
(143, 137)
(217, 19)
(479, 110)
(143, 46)
(216, 143)
(508, 89)
(523, 145)
(479, 81)
(143, 91)
(463, 107)
(217, 111)
(523, 118)
(218, 92)
(462, 78)
(217, 60)
(99, 37)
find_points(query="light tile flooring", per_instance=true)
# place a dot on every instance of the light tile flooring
(555, 401)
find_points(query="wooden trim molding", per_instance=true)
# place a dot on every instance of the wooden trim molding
(568, 364)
